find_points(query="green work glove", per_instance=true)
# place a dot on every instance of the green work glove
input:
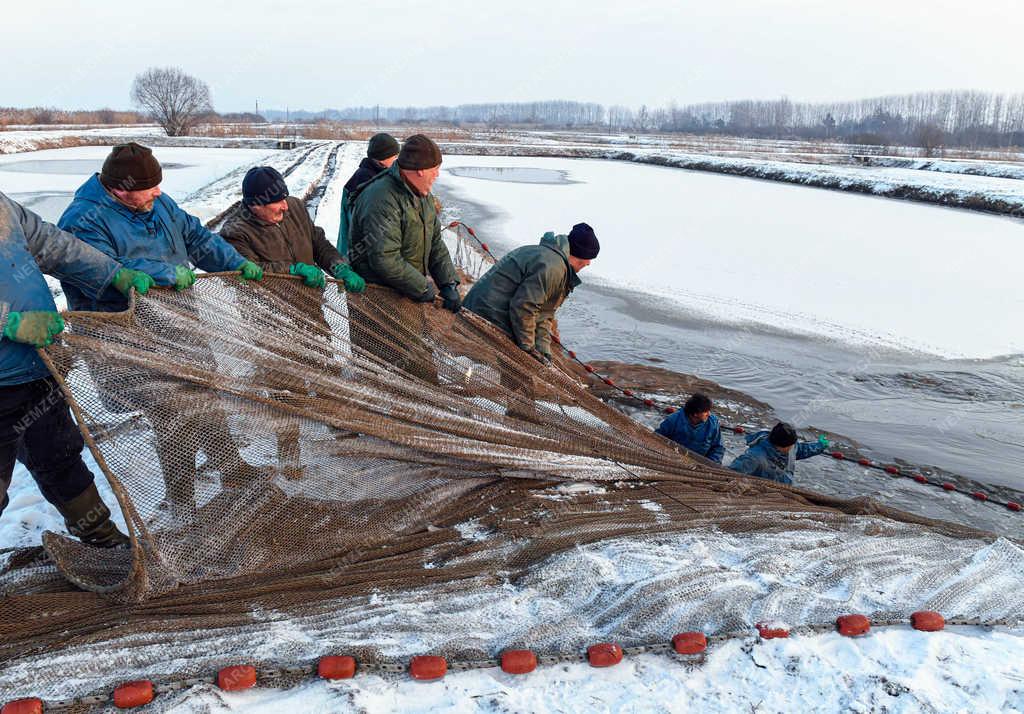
(311, 275)
(352, 280)
(823, 440)
(250, 271)
(35, 328)
(183, 277)
(125, 279)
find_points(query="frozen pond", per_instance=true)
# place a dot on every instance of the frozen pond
(512, 174)
(894, 323)
(46, 181)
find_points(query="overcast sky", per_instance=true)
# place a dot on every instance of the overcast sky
(315, 54)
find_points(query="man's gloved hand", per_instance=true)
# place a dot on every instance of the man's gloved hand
(428, 295)
(250, 271)
(311, 275)
(823, 440)
(354, 283)
(544, 359)
(35, 328)
(450, 295)
(183, 277)
(125, 279)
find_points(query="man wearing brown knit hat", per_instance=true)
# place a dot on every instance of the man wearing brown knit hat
(396, 235)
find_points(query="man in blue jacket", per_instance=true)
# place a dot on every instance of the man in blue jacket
(122, 212)
(35, 424)
(773, 455)
(695, 428)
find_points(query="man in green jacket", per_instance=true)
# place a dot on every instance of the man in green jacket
(395, 232)
(381, 152)
(521, 293)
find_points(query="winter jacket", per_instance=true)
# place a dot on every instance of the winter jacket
(30, 247)
(522, 291)
(763, 460)
(276, 246)
(704, 439)
(153, 242)
(368, 168)
(396, 237)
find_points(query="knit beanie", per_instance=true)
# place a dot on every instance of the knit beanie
(382, 146)
(419, 152)
(131, 167)
(782, 435)
(582, 242)
(263, 185)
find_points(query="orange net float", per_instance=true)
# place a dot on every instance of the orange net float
(927, 621)
(604, 654)
(689, 643)
(236, 677)
(853, 625)
(772, 630)
(134, 694)
(23, 706)
(518, 661)
(426, 668)
(336, 667)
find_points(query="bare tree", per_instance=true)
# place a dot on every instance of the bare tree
(176, 100)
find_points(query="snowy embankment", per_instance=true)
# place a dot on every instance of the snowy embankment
(16, 141)
(995, 169)
(983, 193)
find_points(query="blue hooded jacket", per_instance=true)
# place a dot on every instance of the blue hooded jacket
(153, 242)
(30, 247)
(704, 439)
(763, 460)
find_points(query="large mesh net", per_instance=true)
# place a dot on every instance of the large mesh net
(275, 448)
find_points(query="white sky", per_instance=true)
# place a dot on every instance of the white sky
(314, 54)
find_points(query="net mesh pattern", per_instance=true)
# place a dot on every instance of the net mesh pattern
(275, 447)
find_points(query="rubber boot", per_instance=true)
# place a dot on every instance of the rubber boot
(88, 519)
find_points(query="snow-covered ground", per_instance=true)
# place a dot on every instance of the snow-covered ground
(871, 271)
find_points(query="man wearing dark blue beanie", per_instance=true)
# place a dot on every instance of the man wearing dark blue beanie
(521, 293)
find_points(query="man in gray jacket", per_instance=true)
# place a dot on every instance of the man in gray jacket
(35, 425)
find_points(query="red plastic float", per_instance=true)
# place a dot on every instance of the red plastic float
(920, 478)
(670, 410)
(604, 654)
(853, 625)
(1013, 506)
(237, 677)
(949, 486)
(864, 462)
(484, 246)
(772, 630)
(627, 392)
(588, 368)
(134, 694)
(738, 430)
(688, 643)
(572, 355)
(894, 470)
(649, 402)
(607, 381)
(980, 496)
(838, 455)
(518, 661)
(336, 667)
(471, 231)
(927, 621)
(427, 667)
(23, 706)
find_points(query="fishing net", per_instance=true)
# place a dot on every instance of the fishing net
(274, 448)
